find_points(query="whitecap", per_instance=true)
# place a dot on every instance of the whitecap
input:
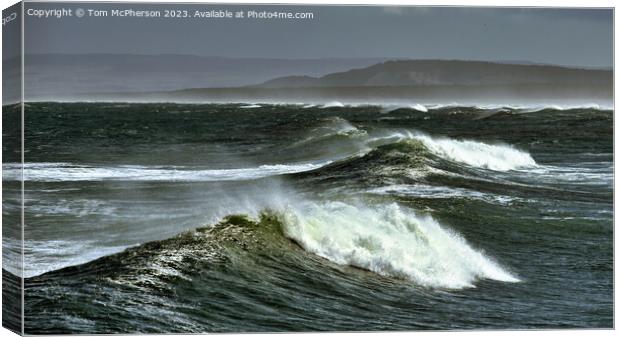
(334, 104)
(498, 157)
(392, 241)
(251, 106)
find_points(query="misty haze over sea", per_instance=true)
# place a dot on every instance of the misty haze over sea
(142, 78)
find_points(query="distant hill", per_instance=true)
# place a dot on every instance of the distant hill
(442, 73)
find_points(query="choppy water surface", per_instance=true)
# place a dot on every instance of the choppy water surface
(215, 218)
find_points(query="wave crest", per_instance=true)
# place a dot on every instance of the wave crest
(498, 157)
(390, 241)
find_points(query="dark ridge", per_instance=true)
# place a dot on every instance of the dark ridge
(448, 72)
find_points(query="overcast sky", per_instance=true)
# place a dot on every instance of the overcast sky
(575, 37)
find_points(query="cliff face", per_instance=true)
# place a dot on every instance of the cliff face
(437, 72)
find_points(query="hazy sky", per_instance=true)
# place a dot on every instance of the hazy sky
(577, 37)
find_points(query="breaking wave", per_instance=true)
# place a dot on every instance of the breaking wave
(392, 241)
(251, 106)
(334, 104)
(498, 157)
(393, 107)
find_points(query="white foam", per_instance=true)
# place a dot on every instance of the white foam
(392, 241)
(538, 108)
(387, 108)
(334, 104)
(72, 172)
(440, 192)
(533, 107)
(573, 175)
(251, 106)
(498, 157)
(418, 107)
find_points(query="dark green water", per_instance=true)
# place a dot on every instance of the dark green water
(228, 218)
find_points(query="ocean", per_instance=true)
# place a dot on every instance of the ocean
(165, 217)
